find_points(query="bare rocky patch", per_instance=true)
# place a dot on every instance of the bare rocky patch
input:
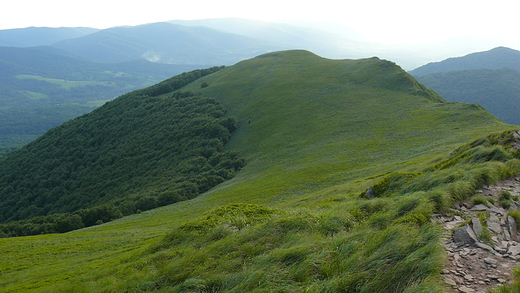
(482, 241)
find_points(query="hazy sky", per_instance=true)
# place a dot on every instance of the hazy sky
(386, 21)
(400, 20)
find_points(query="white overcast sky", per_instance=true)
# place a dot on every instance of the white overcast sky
(387, 21)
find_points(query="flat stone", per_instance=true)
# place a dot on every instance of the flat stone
(477, 227)
(490, 261)
(511, 223)
(450, 281)
(468, 278)
(485, 247)
(465, 289)
(493, 224)
(507, 236)
(479, 207)
(496, 210)
(513, 250)
(500, 249)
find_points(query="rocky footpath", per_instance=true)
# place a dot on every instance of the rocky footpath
(482, 241)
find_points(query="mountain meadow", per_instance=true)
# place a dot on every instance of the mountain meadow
(306, 175)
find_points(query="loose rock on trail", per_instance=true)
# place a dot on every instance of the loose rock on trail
(478, 262)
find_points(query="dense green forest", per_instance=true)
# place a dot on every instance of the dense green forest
(42, 87)
(145, 149)
(498, 90)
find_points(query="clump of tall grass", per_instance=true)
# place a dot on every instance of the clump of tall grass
(480, 199)
(505, 199)
(325, 252)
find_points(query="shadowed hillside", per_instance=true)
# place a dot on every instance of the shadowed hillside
(498, 90)
(493, 59)
(490, 78)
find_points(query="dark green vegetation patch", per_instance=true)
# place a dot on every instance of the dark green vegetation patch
(141, 151)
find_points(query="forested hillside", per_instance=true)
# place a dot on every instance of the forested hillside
(42, 87)
(316, 135)
(138, 152)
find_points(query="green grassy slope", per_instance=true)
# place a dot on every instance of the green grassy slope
(325, 122)
(315, 134)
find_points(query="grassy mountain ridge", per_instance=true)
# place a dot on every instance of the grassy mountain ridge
(320, 132)
(280, 85)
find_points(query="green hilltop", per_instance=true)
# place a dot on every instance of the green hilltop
(315, 134)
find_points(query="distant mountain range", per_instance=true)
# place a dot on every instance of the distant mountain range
(41, 36)
(225, 41)
(167, 43)
(493, 59)
(490, 78)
